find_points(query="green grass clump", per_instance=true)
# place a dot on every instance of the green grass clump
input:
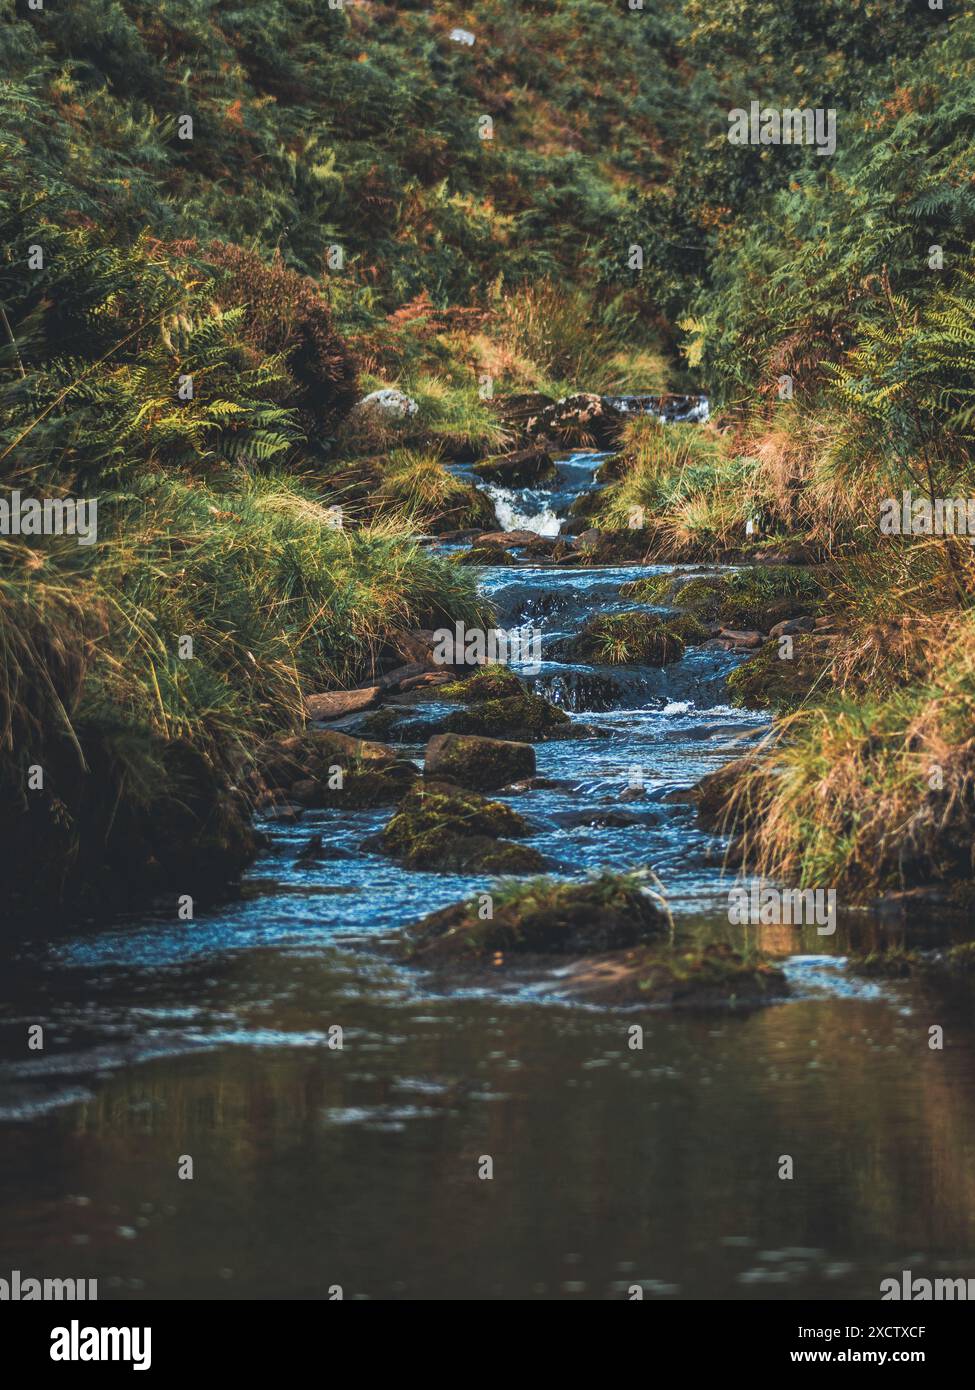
(616, 639)
(197, 622)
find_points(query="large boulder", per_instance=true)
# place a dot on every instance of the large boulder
(441, 826)
(483, 763)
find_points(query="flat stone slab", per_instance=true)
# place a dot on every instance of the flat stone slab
(337, 703)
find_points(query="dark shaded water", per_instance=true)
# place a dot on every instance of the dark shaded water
(315, 1167)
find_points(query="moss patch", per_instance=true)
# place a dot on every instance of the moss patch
(894, 964)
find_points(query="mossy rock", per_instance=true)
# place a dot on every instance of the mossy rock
(747, 599)
(960, 960)
(381, 723)
(485, 764)
(486, 555)
(513, 716)
(769, 681)
(544, 917)
(714, 974)
(523, 468)
(893, 964)
(618, 639)
(440, 826)
(468, 509)
(655, 588)
(489, 683)
(335, 770)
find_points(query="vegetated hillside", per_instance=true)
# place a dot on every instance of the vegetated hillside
(337, 222)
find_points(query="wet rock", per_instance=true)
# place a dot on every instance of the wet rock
(467, 510)
(482, 763)
(283, 812)
(544, 917)
(583, 419)
(616, 639)
(315, 851)
(520, 469)
(427, 680)
(391, 681)
(415, 647)
(382, 723)
(742, 641)
(506, 538)
(523, 411)
(715, 791)
(792, 626)
(441, 826)
(512, 716)
(713, 976)
(326, 768)
(336, 703)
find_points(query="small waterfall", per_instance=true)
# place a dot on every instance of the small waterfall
(507, 502)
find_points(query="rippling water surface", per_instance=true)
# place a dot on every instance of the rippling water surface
(358, 1167)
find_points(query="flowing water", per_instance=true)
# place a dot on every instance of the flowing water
(315, 1167)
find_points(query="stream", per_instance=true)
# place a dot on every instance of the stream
(315, 1167)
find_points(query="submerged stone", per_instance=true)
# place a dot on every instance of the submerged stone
(544, 916)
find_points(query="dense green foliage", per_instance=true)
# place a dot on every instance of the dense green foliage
(223, 223)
